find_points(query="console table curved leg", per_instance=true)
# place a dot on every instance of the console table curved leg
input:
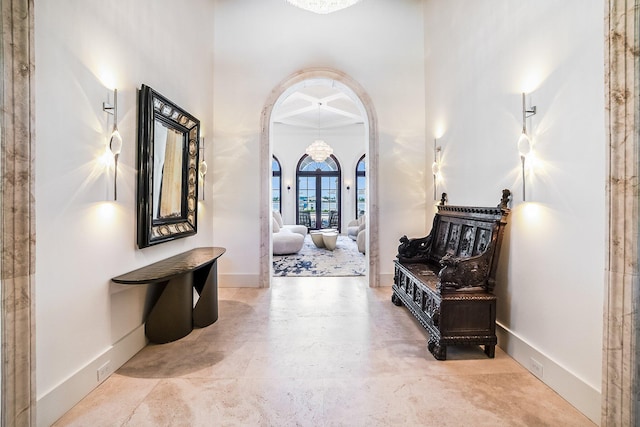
(206, 283)
(170, 318)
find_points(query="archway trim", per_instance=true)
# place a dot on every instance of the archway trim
(371, 132)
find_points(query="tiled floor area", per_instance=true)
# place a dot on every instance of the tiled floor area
(317, 352)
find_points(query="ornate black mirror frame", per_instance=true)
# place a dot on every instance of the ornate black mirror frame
(153, 227)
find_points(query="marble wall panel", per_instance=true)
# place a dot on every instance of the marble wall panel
(18, 219)
(620, 353)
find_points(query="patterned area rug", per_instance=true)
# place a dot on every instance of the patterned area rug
(345, 260)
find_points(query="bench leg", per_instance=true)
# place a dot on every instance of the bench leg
(490, 350)
(396, 300)
(438, 351)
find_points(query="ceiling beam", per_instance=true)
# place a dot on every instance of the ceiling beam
(295, 112)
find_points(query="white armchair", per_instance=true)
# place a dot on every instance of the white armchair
(296, 228)
(356, 231)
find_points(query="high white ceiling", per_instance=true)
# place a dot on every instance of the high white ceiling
(318, 107)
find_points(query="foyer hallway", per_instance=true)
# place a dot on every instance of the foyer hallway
(317, 352)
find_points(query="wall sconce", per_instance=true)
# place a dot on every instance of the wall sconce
(524, 142)
(288, 187)
(202, 167)
(115, 141)
(348, 187)
(435, 168)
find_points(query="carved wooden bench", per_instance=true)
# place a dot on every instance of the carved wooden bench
(446, 279)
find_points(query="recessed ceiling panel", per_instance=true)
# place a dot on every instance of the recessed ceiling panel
(318, 106)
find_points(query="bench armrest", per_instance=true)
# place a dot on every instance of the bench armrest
(414, 250)
(464, 273)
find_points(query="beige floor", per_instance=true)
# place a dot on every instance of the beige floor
(317, 352)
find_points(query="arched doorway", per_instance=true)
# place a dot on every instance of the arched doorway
(319, 76)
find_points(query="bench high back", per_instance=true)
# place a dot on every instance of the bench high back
(463, 245)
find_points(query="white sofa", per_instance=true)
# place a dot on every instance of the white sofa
(287, 239)
(356, 231)
(300, 229)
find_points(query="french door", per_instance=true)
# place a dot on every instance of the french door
(318, 193)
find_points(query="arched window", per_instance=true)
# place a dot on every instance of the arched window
(318, 193)
(276, 185)
(361, 187)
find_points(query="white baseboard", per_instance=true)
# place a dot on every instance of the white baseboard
(54, 403)
(583, 396)
(238, 280)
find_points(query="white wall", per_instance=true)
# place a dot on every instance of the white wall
(85, 48)
(259, 43)
(480, 56)
(348, 145)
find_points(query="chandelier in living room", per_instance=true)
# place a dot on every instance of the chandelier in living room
(319, 150)
(323, 6)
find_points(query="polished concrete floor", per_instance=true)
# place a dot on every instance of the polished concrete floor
(317, 352)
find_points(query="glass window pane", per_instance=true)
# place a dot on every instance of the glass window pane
(310, 175)
(361, 187)
(310, 165)
(276, 184)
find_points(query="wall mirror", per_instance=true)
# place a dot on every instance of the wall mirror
(168, 139)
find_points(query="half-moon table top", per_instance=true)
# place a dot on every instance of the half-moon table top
(171, 267)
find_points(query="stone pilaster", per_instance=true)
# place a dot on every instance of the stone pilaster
(620, 371)
(17, 150)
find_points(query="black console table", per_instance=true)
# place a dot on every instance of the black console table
(173, 316)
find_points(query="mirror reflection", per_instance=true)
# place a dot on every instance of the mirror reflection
(168, 172)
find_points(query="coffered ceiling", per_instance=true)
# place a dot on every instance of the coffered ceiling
(318, 107)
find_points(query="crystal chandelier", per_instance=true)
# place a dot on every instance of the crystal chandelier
(323, 6)
(319, 150)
